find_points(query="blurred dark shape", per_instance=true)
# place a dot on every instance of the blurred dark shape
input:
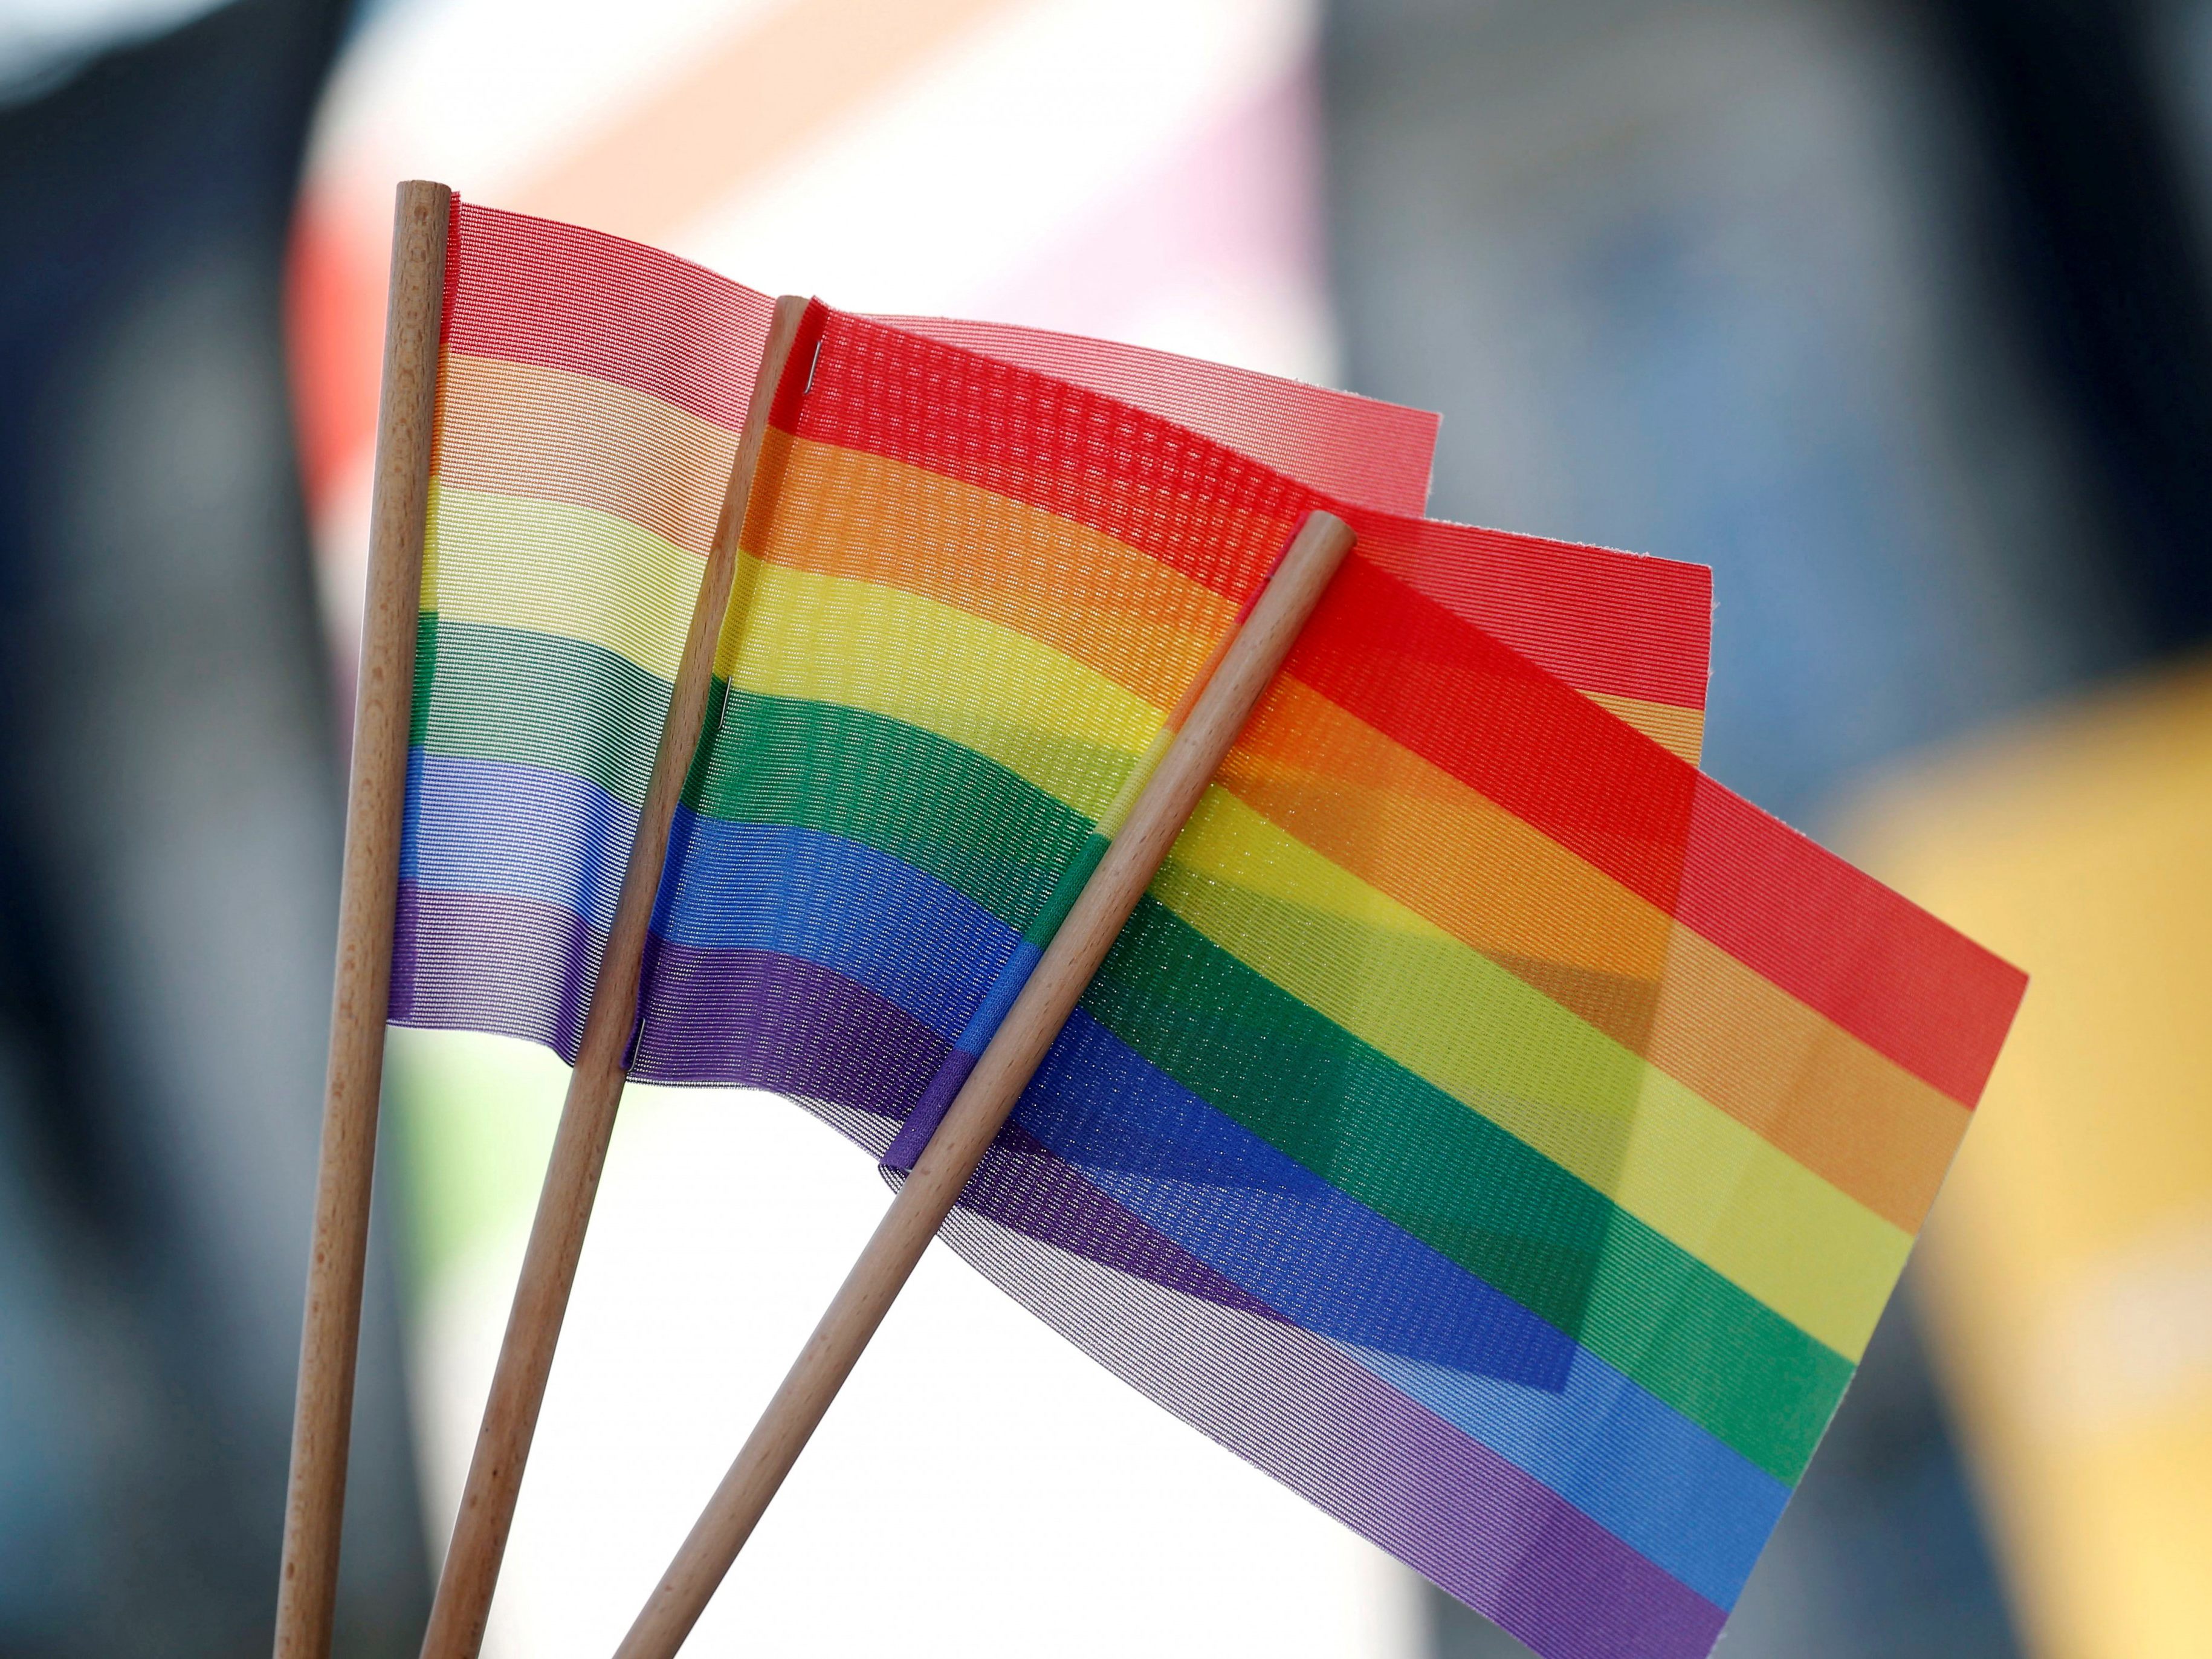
(1702, 278)
(1896, 316)
(169, 819)
(2110, 262)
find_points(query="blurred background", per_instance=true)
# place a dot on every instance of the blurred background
(1898, 312)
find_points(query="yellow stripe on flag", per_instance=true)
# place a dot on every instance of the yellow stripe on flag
(1455, 1018)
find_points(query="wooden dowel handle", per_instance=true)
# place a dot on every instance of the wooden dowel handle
(368, 891)
(973, 1121)
(463, 1606)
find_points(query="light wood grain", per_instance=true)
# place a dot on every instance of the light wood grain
(973, 1121)
(369, 890)
(580, 1145)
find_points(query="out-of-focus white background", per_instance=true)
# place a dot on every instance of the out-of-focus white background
(979, 1483)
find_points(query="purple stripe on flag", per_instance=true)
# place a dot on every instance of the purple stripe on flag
(1305, 1411)
(477, 962)
(1024, 1185)
(763, 1020)
(759, 1019)
(929, 1111)
(982, 1025)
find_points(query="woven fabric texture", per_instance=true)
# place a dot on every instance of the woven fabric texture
(1487, 1125)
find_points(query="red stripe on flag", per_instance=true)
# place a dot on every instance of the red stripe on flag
(560, 296)
(1217, 517)
(1599, 619)
(1875, 963)
(1374, 454)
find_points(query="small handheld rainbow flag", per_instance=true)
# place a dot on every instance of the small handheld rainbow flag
(1485, 1123)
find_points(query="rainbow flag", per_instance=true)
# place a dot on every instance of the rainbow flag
(1487, 1125)
(589, 402)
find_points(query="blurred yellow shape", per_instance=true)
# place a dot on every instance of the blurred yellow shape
(2068, 1268)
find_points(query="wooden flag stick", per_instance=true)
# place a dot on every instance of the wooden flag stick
(322, 1419)
(987, 1097)
(588, 1120)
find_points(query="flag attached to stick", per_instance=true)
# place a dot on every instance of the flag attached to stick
(1487, 1125)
